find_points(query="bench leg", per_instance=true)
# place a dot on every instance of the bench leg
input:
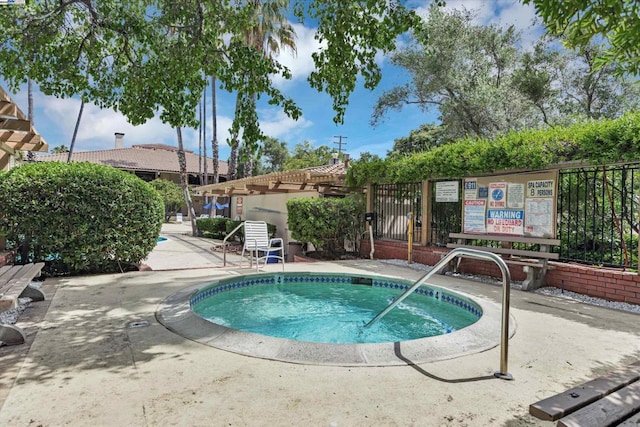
(535, 278)
(34, 293)
(12, 335)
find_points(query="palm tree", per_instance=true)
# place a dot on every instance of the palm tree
(270, 31)
(215, 153)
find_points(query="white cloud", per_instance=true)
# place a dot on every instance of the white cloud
(300, 64)
(277, 124)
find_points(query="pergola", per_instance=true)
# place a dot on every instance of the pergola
(16, 132)
(328, 179)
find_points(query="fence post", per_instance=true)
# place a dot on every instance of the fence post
(426, 213)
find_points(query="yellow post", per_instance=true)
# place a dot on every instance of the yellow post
(410, 236)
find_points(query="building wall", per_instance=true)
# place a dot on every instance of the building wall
(271, 208)
(610, 284)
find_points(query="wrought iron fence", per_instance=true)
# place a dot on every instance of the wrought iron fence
(598, 214)
(392, 203)
(446, 217)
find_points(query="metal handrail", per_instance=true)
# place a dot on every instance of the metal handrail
(224, 244)
(506, 287)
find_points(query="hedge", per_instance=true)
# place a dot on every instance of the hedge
(79, 217)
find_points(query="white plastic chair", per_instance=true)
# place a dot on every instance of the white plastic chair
(258, 244)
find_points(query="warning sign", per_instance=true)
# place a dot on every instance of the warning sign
(498, 195)
(505, 221)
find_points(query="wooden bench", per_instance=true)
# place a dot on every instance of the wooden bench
(613, 399)
(14, 284)
(534, 263)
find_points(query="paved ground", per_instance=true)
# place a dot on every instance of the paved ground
(87, 366)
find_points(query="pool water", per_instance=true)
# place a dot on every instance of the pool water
(333, 312)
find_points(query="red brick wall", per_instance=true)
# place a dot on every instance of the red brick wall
(610, 284)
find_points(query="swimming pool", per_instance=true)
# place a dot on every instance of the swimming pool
(179, 314)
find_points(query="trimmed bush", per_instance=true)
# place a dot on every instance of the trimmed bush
(215, 228)
(326, 222)
(79, 217)
(594, 141)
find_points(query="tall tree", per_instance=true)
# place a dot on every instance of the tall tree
(184, 181)
(270, 31)
(215, 149)
(583, 23)
(31, 157)
(306, 155)
(147, 58)
(424, 138)
(274, 155)
(75, 131)
(567, 85)
(462, 70)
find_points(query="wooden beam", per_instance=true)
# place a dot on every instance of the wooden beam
(7, 149)
(15, 124)
(4, 161)
(8, 109)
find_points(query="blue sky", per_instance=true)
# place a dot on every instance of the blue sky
(55, 118)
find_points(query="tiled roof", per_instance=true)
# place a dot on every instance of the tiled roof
(151, 157)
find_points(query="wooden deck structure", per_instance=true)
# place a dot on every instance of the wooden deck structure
(17, 133)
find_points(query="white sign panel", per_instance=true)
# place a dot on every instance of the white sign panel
(539, 218)
(447, 191)
(515, 196)
(474, 216)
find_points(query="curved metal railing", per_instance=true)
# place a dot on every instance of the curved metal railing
(506, 285)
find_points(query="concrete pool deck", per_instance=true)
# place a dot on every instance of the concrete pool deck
(93, 363)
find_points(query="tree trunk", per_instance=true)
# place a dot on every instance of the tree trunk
(75, 132)
(31, 157)
(215, 153)
(184, 180)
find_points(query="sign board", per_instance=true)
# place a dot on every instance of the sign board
(474, 211)
(522, 204)
(447, 191)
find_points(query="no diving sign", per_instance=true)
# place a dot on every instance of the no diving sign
(497, 195)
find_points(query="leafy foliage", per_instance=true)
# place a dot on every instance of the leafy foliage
(595, 141)
(306, 155)
(582, 22)
(326, 222)
(215, 228)
(144, 56)
(79, 217)
(424, 138)
(171, 194)
(483, 84)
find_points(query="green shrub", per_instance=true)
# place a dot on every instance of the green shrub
(79, 217)
(594, 141)
(215, 228)
(172, 196)
(238, 235)
(326, 222)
